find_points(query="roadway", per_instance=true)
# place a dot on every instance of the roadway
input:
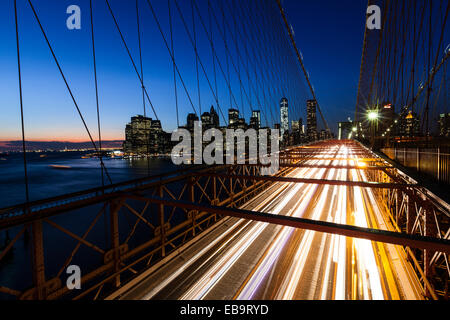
(242, 259)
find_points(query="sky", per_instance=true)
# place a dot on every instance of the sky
(329, 34)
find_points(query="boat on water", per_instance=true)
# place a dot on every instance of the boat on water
(59, 166)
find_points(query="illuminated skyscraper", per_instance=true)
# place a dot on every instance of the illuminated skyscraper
(233, 116)
(284, 117)
(311, 120)
(255, 120)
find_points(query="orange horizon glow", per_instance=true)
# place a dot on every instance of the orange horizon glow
(59, 140)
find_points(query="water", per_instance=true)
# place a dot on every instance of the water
(45, 181)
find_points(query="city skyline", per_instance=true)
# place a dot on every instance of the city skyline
(48, 103)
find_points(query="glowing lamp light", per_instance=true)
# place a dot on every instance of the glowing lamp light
(354, 129)
(373, 115)
(361, 164)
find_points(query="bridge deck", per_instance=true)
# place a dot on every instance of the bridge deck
(243, 259)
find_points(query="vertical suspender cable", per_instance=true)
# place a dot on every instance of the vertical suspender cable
(27, 194)
(142, 83)
(140, 56)
(96, 90)
(67, 84)
(213, 55)
(173, 62)
(196, 59)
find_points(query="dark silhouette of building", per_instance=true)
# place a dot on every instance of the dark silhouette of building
(214, 118)
(191, 118)
(444, 125)
(386, 117)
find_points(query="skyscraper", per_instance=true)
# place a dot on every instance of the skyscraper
(233, 116)
(214, 118)
(191, 117)
(206, 121)
(284, 117)
(255, 120)
(444, 125)
(144, 135)
(311, 120)
(409, 125)
(295, 126)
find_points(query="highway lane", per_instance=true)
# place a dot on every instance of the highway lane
(255, 260)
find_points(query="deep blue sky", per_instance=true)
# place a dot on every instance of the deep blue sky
(329, 33)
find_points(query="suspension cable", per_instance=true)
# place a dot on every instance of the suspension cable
(24, 151)
(96, 89)
(67, 85)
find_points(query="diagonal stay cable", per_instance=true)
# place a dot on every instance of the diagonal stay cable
(140, 54)
(131, 58)
(24, 151)
(209, 36)
(301, 63)
(192, 41)
(171, 55)
(67, 86)
(173, 64)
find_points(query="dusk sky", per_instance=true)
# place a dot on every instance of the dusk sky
(329, 34)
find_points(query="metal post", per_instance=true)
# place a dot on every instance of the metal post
(418, 160)
(38, 260)
(231, 188)
(192, 199)
(409, 214)
(114, 218)
(428, 254)
(162, 223)
(439, 164)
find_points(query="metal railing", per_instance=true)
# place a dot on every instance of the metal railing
(433, 162)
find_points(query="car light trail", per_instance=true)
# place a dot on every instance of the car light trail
(293, 263)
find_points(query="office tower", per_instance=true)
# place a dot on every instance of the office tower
(284, 116)
(214, 118)
(409, 125)
(295, 126)
(255, 120)
(311, 120)
(206, 121)
(191, 117)
(444, 125)
(144, 135)
(233, 116)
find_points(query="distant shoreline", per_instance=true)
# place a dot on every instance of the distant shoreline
(42, 146)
